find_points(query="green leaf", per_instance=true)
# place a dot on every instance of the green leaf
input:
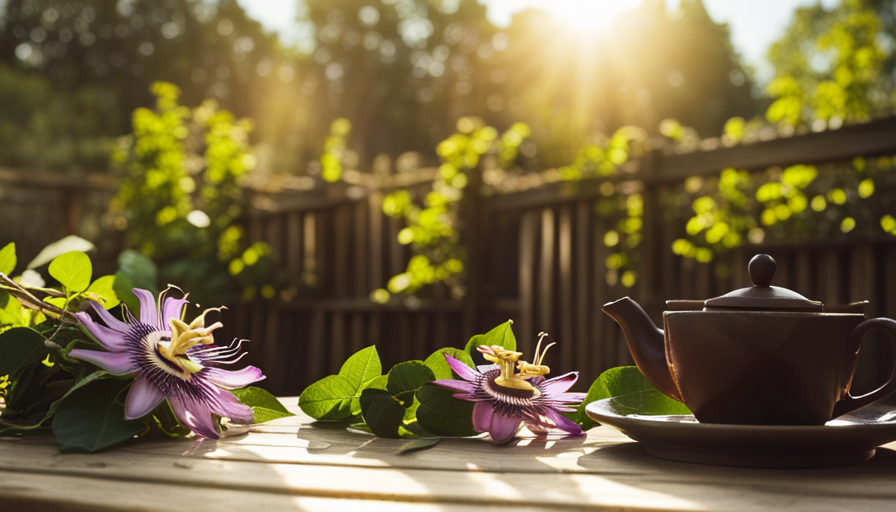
(442, 414)
(406, 378)
(140, 270)
(439, 365)
(377, 383)
(10, 310)
(362, 367)
(328, 399)
(501, 335)
(60, 247)
(359, 369)
(20, 347)
(104, 287)
(8, 259)
(59, 302)
(265, 406)
(382, 413)
(73, 270)
(123, 288)
(417, 445)
(632, 391)
(99, 374)
(92, 418)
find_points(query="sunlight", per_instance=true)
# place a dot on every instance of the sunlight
(587, 15)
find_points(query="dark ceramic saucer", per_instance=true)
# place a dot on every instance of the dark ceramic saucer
(850, 439)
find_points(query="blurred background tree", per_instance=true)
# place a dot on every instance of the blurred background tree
(400, 71)
(835, 65)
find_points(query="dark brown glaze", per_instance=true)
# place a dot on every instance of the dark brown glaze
(768, 368)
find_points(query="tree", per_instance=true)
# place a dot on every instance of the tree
(833, 65)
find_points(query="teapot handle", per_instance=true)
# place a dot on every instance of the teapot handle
(850, 403)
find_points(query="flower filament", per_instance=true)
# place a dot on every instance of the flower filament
(184, 337)
(509, 361)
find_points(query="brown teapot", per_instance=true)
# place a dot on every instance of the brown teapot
(761, 355)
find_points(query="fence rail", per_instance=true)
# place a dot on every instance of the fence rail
(535, 256)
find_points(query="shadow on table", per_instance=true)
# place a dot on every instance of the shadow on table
(719, 487)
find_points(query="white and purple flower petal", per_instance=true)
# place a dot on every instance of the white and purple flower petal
(562, 422)
(462, 370)
(109, 338)
(117, 363)
(186, 374)
(149, 310)
(502, 410)
(195, 414)
(142, 399)
(503, 426)
(482, 416)
(230, 379)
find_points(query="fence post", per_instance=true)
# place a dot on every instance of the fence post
(651, 247)
(471, 207)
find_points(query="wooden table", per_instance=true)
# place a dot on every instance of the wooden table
(329, 469)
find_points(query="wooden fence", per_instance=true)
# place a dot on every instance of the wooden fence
(535, 256)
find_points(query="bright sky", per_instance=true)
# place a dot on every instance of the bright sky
(754, 24)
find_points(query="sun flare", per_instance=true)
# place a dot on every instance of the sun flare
(587, 15)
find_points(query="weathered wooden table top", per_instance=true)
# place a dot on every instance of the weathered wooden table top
(289, 465)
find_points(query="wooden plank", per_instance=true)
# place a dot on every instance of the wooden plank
(527, 249)
(602, 470)
(564, 255)
(603, 343)
(310, 249)
(546, 299)
(376, 248)
(293, 260)
(584, 301)
(316, 368)
(872, 138)
(274, 236)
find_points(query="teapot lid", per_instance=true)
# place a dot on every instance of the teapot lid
(763, 296)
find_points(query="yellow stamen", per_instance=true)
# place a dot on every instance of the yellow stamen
(185, 336)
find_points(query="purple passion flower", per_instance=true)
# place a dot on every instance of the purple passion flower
(511, 393)
(170, 359)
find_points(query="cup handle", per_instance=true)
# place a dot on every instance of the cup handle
(850, 403)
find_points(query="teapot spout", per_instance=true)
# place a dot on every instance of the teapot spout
(646, 343)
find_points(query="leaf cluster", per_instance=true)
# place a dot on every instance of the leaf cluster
(402, 403)
(42, 390)
(405, 404)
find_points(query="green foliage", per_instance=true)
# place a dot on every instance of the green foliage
(92, 419)
(329, 399)
(20, 347)
(331, 161)
(631, 392)
(180, 194)
(42, 390)
(432, 228)
(8, 258)
(442, 414)
(73, 270)
(830, 65)
(439, 366)
(265, 406)
(501, 335)
(47, 128)
(383, 413)
(67, 244)
(797, 203)
(392, 405)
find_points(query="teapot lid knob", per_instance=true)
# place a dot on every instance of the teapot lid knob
(762, 269)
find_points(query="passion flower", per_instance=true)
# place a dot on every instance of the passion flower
(512, 393)
(171, 359)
